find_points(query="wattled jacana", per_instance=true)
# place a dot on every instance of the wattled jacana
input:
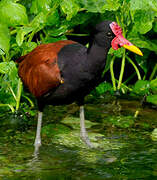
(65, 71)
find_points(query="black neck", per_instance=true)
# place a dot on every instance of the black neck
(96, 57)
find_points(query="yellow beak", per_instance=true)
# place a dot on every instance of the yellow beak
(133, 49)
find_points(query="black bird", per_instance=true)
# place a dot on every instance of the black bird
(66, 71)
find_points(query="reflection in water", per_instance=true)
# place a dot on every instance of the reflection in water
(123, 145)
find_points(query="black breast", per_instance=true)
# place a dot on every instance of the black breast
(78, 81)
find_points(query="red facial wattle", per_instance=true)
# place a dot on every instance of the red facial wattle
(120, 41)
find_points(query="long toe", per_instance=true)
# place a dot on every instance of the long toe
(87, 141)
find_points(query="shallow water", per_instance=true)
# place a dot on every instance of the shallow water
(124, 145)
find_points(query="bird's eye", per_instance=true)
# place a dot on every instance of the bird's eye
(109, 34)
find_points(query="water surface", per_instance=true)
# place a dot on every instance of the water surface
(124, 148)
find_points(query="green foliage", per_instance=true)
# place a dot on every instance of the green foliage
(100, 6)
(70, 8)
(141, 87)
(152, 99)
(4, 39)
(12, 14)
(122, 121)
(26, 23)
(102, 89)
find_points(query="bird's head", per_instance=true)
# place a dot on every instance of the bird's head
(108, 32)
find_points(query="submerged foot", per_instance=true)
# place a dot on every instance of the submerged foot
(86, 140)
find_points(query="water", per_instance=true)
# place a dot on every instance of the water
(124, 148)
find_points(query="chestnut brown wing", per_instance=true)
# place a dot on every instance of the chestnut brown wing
(39, 70)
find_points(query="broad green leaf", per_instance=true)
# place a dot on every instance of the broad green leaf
(153, 5)
(53, 18)
(40, 6)
(9, 82)
(10, 69)
(12, 14)
(70, 8)
(152, 99)
(4, 39)
(103, 88)
(100, 5)
(141, 87)
(21, 33)
(143, 21)
(139, 4)
(155, 26)
(153, 85)
(39, 21)
(142, 42)
(143, 5)
(4, 67)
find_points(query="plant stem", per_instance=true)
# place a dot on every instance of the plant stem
(18, 96)
(8, 105)
(31, 35)
(122, 84)
(13, 32)
(129, 78)
(135, 67)
(112, 73)
(29, 100)
(12, 92)
(153, 73)
(121, 72)
(73, 34)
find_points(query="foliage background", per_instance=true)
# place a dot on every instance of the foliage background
(24, 24)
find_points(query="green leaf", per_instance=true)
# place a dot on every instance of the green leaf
(122, 121)
(39, 21)
(28, 46)
(155, 26)
(143, 5)
(139, 4)
(141, 87)
(153, 5)
(141, 41)
(40, 6)
(4, 67)
(100, 5)
(4, 39)
(58, 30)
(53, 18)
(21, 33)
(143, 21)
(152, 99)
(153, 85)
(12, 14)
(118, 53)
(70, 8)
(10, 69)
(154, 135)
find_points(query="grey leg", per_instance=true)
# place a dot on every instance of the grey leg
(37, 142)
(83, 132)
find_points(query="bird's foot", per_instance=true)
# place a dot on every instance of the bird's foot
(87, 141)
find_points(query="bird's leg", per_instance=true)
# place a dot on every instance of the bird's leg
(37, 142)
(83, 132)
